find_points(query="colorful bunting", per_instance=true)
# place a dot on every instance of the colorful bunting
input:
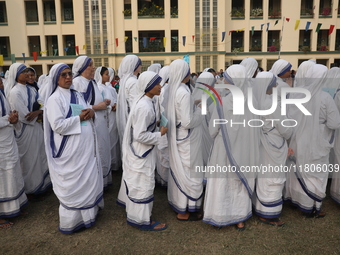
(297, 23)
(116, 42)
(1, 60)
(287, 19)
(126, 38)
(145, 42)
(77, 50)
(84, 47)
(186, 58)
(35, 56)
(223, 36)
(164, 42)
(13, 58)
(135, 38)
(318, 27)
(277, 21)
(23, 55)
(252, 30)
(267, 26)
(152, 38)
(202, 35)
(307, 25)
(262, 26)
(184, 40)
(231, 31)
(193, 38)
(55, 52)
(331, 28)
(66, 49)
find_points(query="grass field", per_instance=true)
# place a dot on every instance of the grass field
(37, 232)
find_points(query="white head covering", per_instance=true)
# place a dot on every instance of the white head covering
(263, 82)
(280, 67)
(6, 74)
(51, 82)
(80, 64)
(301, 74)
(332, 78)
(98, 76)
(164, 73)
(129, 64)
(251, 66)
(207, 78)
(206, 69)
(155, 68)
(41, 80)
(14, 71)
(111, 74)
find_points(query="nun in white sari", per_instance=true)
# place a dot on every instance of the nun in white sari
(335, 187)
(139, 154)
(163, 165)
(12, 191)
(128, 70)
(206, 78)
(28, 132)
(83, 81)
(185, 186)
(116, 158)
(229, 192)
(311, 141)
(101, 76)
(70, 143)
(273, 153)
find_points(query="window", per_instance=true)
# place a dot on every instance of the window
(274, 9)
(174, 8)
(145, 65)
(151, 8)
(255, 41)
(237, 41)
(307, 8)
(31, 11)
(256, 8)
(237, 9)
(3, 13)
(69, 45)
(337, 40)
(174, 40)
(270, 63)
(128, 41)
(49, 11)
(151, 41)
(52, 45)
(5, 47)
(325, 8)
(304, 41)
(34, 44)
(322, 44)
(67, 10)
(273, 41)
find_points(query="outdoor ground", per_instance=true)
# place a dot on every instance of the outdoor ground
(37, 232)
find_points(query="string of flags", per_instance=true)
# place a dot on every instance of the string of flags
(296, 26)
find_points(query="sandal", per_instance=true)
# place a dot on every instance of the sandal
(272, 222)
(152, 227)
(6, 224)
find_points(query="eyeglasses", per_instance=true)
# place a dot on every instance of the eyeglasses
(64, 75)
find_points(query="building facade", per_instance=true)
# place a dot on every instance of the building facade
(209, 33)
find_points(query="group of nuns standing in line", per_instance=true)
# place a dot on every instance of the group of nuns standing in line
(77, 129)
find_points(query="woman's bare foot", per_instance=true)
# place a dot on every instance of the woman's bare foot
(5, 223)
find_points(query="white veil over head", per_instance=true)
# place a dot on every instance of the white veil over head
(14, 71)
